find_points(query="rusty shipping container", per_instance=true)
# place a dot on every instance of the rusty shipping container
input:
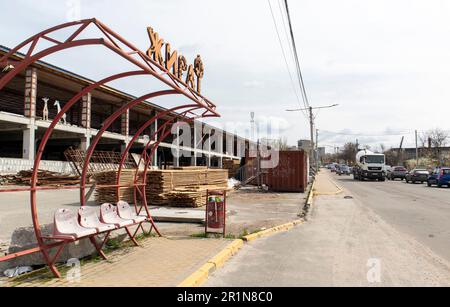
(290, 175)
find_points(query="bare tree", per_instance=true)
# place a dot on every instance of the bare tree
(438, 137)
(280, 144)
(423, 139)
(348, 153)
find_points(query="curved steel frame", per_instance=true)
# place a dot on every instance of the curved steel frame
(146, 65)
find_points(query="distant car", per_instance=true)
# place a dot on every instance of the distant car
(343, 170)
(397, 172)
(333, 168)
(417, 175)
(440, 177)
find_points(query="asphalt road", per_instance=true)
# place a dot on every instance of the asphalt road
(415, 209)
(388, 234)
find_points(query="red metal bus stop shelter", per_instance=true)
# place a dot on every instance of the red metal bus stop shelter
(198, 107)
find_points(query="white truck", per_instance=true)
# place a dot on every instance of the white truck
(370, 166)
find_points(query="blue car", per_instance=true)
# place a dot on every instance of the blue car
(440, 177)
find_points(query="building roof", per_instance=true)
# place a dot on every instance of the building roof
(81, 79)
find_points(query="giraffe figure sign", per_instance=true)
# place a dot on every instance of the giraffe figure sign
(45, 109)
(58, 107)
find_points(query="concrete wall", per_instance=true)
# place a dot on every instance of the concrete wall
(13, 166)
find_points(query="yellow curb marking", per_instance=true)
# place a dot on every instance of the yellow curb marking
(201, 275)
(312, 193)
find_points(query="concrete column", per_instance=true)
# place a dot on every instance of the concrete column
(229, 143)
(86, 102)
(124, 146)
(155, 155)
(30, 92)
(176, 157)
(194, 147)
(29, 142)
(85, 142)
(29, 133)
(219, 147)
(208, 159)
(125, 124)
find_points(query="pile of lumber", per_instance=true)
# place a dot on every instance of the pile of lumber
(180, 187)
(105, 192)
(45, 178)
(191, 198)
(232, 166)
(184, 187)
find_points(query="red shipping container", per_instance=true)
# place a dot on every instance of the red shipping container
(290, 175)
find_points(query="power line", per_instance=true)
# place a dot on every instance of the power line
(284, 56)
(294, 46)
(368, 135)
(283, 17)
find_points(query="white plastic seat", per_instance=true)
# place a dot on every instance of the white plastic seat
(67, 225)
(126, 212)
(109, 215)
(89, 218)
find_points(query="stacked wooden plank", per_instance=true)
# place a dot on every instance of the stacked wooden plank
(232, 166)
(45, 178)
(184, 187)
(105, 192)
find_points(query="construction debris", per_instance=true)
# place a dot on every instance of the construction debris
(101, 161)
(45, 178)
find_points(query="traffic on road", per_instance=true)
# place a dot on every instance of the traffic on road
(371, 166)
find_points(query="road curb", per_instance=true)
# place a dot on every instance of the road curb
(201, 275)
(271, 231)
(312, 193)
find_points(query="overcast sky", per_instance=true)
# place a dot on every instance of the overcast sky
(387, 63)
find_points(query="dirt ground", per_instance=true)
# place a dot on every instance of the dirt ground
(248, 210)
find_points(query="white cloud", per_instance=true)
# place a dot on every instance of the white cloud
(387, 63)
(253, 84)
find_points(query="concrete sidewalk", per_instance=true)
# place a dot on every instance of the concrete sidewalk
(325, 185)
(160, 262)
(344, 243)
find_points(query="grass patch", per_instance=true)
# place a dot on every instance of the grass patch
(229, 236)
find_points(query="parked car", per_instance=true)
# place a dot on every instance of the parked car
(397, 172)
(333, 168)
(343, 170)
(440, 177)
(417, 175)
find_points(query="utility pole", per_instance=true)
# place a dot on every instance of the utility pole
(400, 151)
(417, 150)
(317, 149)
(311, 124)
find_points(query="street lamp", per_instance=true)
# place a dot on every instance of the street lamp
(311, 122)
